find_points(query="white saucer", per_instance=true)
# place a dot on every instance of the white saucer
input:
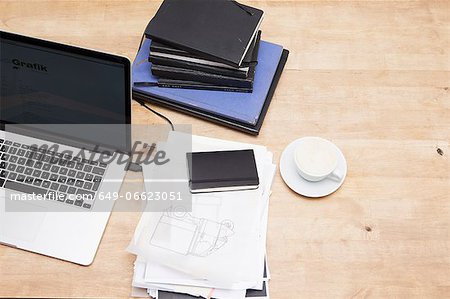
(302, 186)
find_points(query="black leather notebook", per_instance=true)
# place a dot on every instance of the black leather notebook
(222, 171)
(175, 73)
(220, 30)
(162, 50)
(170, 83)
(160, 60)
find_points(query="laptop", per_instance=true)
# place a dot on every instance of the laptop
(65, 116)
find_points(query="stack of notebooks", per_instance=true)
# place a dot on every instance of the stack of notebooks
(217, 249)
(207, 58)
(176, 68)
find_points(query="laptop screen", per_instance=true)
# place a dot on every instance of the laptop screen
(44, 83)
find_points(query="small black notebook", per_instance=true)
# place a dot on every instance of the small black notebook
(222, 171)
(220, 30)
(162, 50)
(170, 83)
(174, 73)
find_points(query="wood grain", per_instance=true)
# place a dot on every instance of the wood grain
(371, 76)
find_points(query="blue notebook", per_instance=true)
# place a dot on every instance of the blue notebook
(244, 108)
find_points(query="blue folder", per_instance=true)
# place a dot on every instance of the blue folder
(232, 107)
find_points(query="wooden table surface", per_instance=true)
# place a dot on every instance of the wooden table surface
(371, 76)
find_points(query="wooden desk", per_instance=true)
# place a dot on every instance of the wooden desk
(371, 76)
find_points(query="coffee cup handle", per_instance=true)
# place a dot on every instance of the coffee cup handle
(336, 175)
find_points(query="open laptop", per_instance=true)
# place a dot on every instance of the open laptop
(65, 116)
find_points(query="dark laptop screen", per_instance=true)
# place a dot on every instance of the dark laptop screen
(48, 83)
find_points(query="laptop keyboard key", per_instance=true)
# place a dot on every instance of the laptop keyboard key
(88, 186)
(12, 176)
(96, 186)
(98, 171)
(37, 182)
(62, 179)
(79, 183)
(54, 186)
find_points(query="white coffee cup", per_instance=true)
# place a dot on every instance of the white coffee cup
(316, 159)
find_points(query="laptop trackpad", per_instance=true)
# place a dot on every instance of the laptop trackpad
(23, 226)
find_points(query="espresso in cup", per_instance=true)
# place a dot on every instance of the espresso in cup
(316, 159)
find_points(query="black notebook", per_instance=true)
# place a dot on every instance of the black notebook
(175, 73)
(161, 60)
(222, 171)
(220, 30)
(164, 51)
(171, 83)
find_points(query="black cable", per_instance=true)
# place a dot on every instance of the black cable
(156, 112)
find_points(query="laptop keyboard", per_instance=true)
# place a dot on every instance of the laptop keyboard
(64, 178)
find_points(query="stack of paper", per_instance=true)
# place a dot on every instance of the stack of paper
(218, 249)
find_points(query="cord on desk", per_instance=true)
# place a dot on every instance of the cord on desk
(143, 104)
